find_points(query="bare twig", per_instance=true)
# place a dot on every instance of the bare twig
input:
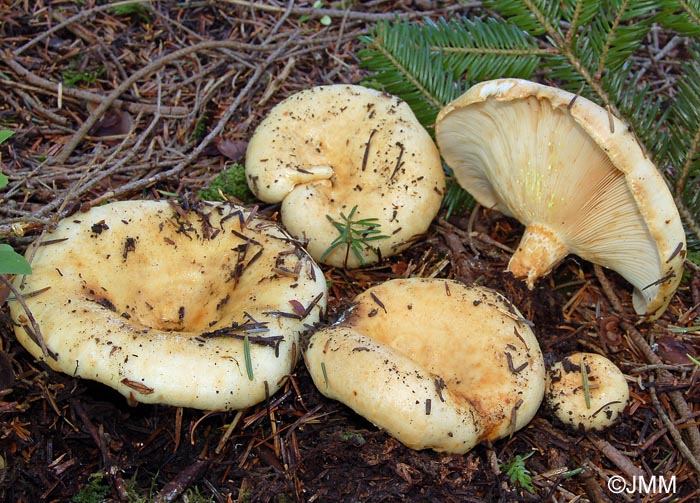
(614, 455)
(53, 88)
(146, 70)
(313, 12)
(673, 431)
(225, 117)
(677, 398)
(36, 330)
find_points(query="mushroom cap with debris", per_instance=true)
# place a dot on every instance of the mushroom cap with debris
(337, 149)
(586, 390)
(436, 364)
(575, 176)
(200, 308)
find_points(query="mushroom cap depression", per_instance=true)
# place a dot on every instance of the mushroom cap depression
(199, 308)
(329, 149)
(575, 176)
(566, 394)
(435, 363)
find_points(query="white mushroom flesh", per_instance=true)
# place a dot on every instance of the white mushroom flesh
(191, 308)
(586, 390)
(331, 149)
(436, 364)
(575, 176)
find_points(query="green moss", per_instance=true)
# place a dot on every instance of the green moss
(95, 490)
(231, 182)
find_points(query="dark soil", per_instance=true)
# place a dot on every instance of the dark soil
(60, 437)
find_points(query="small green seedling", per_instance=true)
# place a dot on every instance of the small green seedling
(353, 438)
(325, 19)
(354, 234)
(73, 78)
(518, 473)
(95, 490)
(140, 11)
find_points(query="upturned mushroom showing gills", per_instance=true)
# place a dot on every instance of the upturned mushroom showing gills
(575, 176)
(586, 390)
(344, 152)
(197, 308)
(436, 364)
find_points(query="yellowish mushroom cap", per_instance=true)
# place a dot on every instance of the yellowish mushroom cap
(331, 149)
(197, 308)
(575, 176)
(435, 363)
(586, 390)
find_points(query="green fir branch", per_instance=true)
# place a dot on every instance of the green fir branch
(682, 16)
(593, 48)
(403, 65)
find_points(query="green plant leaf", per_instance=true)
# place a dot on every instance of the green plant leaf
(12, 262)
(518, 473)
(5, 134)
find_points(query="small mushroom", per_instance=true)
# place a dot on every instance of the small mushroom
(339, 150)
(196, 308)
(586, 391)
(575, 176)
(435, 363)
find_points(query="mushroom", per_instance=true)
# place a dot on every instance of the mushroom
(575, 176)
(586, 391)
(196, 308)
(338, 151)
(435, 363)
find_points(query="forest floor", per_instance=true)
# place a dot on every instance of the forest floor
(154, 103)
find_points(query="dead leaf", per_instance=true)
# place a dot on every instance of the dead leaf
(233, 149)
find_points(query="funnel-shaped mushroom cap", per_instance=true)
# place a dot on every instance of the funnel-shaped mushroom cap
(347, 150)
(575, 176)
(195, 308)
(437, 364)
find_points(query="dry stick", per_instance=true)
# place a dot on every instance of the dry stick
(252, 81)
(97, 170)
(614, 455)
(82, 14)
(675, 434)
(53, 88)
(677, 398)
(150, 68)
(76, 190)
(98, 437)
(182, 481)
(353, 15)
(35, 326)
(638, 339)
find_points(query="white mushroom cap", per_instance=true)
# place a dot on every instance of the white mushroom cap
(566, 391)
(435, 363)
(329, 149)
(157, 302)
(575, 176)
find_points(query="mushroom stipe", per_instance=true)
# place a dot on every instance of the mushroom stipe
(190, 316)
(575, 176)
